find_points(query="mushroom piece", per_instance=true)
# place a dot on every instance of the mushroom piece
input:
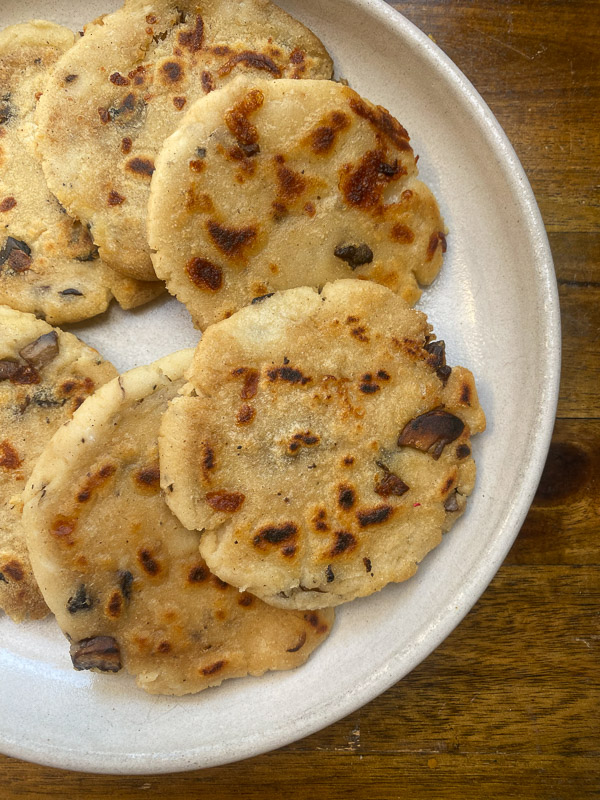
(42, 351)
(431, 432)
(8, 368)
(391, 484)
(438, 351)
(16, 252)
(100, 652)
(451, 503)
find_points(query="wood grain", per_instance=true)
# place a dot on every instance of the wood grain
(508, 706)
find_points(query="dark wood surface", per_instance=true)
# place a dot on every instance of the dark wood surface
(508, 706)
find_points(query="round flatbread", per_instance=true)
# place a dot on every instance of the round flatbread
(123, 577)
(272, 185)
(124, 87)
(49, 264)
(322, 444)
(45, 374)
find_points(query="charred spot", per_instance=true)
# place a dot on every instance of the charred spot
(172, 71)
(329, 575)
(104, 115)
(14, 570)
(100, 652)
(72, 292)
(288, 374)
(367, 563)
(179, 102)
(95, 481)
(297, 56)
(6, 108)
(348, 461)
(314, 620)
(208, 459)
(237, 121)
(148, 477)
(164, 647)
(115, 604)
(138, 75)
(250, 386)
(355, 255)
(148, 562)
(390, 484)
(9, 458)
(221, 500)
(151, 19)
(8, 204)
(213, 668)
(346, 497)
(306, 439)
(218, 582)
(192, 40)
(126, 109)
(261, 297)
(245, 415)
(62, 527)
(402, 234)
(141, 166)
(115, 199)
(320, 520)
(80, 601)
(70, 78)
(290, 184)
(465, 394)
(126, 145)
(253, 60)
(204, 274)
(431, 432)
(448, 485)
(207, 81)
(231, 241)
(119, 80)
(309, 209)
(360, 333)
(300, 643)
(16, 254)
(437, 351)
(436, 238)
(125, 583)
(245, 600)
(382, 120)
(367, 386)
(322, 138)
(344, 543)
(463, 451)
(362, 184)
(198, 574)
(275, 534)
(373, 516)
(288, 550)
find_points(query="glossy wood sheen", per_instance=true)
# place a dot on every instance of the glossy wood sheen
(508, 706)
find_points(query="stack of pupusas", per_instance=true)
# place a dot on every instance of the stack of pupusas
(198, 518)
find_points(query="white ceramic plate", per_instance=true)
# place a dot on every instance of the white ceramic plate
(496, 306)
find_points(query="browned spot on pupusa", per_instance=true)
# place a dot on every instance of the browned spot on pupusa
(320, 520)
(222, 500)
(382, 120)
(114, 605)
(7, 204)
(115, 199)
(344, 542)
(147, 478)
(373, 516)
(362, 184)
(148, 561)
(346, 496)
(367, 384)
(290, 185)
(119, 80)
(192, 40)
(298, 440)
(465, 394)
(9, 458)
(126, 145)
(138, 75)
(198, 573)
(321, 139)
(245, 600)
(179, 102)
(208, 461)
(213, 668)
(245, 415)
(402, 234)
(436, 238)
(141, 166)
(315, 621)
(171, 71)
(14, 570)
(63, 527)
(204, 274)
(287, 374)
(95, 481)
(198, 203)
(237, 120)
(275, 535)
(431, 432)
(299, 643)
(207, 82)
(253, 60)
(232, 242)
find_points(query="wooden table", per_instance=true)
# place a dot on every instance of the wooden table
(508, 706)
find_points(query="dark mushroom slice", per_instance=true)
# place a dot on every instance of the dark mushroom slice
(451, 503)
(42, 351)
(355, 255)
(80, 601)
(438, 351)
(390, 484)
(431, 432)
(8, 368)
(10, 246)
(99, 652)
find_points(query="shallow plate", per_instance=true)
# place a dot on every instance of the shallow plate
(496, 306)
